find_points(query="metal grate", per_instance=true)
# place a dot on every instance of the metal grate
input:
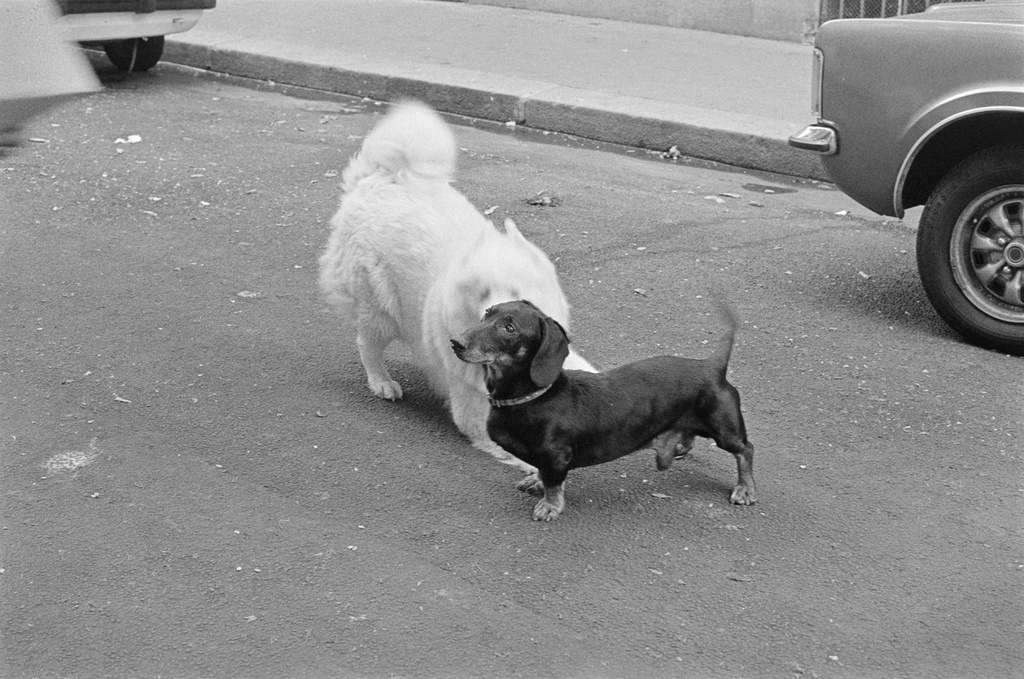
(874, 9)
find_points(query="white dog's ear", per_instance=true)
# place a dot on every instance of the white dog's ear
(532, 251)
(554, 347)
(513, 230)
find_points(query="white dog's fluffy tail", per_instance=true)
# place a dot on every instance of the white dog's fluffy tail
(411, 142)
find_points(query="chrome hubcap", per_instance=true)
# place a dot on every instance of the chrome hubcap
(987, 253)
(1014, 254)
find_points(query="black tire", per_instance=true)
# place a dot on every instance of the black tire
(136, 54)
(970, 249)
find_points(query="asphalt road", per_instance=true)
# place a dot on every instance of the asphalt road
(197, 483)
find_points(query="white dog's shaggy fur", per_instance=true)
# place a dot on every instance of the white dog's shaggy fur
(410, 259)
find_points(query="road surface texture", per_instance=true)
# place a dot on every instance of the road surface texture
(197, 482)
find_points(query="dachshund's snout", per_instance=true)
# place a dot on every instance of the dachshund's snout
(467, 348)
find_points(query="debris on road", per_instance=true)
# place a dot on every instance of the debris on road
(545, 199)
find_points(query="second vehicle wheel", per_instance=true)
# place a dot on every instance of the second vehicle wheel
(970, 249)
(136, 54)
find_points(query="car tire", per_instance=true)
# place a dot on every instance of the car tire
(970, 248)
(136, 54)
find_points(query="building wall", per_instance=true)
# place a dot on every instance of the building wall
(791, 20)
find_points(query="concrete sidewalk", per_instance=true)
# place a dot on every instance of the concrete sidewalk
(720, 97)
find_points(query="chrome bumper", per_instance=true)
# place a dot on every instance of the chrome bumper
(818, 138)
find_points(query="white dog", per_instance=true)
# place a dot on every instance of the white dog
(410, 259)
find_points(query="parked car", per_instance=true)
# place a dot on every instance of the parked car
(928, 109)
(131, 32)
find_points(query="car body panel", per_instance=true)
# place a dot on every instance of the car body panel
(106, 26)
(889, 86)
(970, 105)
(100, 21)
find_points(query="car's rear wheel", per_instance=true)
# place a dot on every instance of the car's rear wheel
(970, 249)
(136, 54)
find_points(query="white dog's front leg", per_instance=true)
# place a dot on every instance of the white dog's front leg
(371, 352)
(470, 409)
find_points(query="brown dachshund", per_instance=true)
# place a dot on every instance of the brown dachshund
(558, 420)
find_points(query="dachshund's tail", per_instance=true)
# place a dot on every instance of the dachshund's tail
(724, 351)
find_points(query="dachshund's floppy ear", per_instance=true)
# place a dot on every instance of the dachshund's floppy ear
(554, 347)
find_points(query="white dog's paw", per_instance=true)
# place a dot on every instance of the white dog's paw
(531, 484)
(485, 444)
(386, 389)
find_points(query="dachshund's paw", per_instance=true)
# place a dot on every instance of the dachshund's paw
(669, 447)
(743, 495)
(664, 458)
(545, 511)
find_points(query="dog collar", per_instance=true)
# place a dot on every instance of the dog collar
(505, 402)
